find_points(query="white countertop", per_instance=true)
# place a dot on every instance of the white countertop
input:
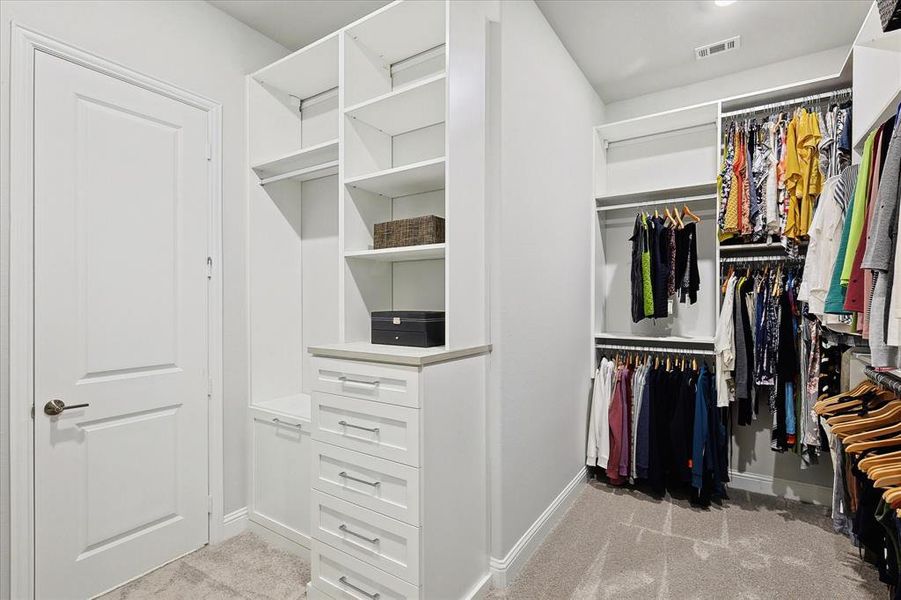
(396, 355)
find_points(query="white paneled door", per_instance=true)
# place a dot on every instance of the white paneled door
(121, 241)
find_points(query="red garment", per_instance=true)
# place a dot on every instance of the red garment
(615, 416)
(855, 300)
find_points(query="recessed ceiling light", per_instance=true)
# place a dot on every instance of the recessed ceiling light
(724, 2)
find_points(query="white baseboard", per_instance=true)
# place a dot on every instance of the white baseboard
(234, 523)
(480, 590)
(504, 570)
(785, 488)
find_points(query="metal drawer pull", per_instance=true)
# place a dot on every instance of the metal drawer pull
(280, 422)
(352, 478)
(345, 582)
(367, 385)
(345, 529)
(360, 427)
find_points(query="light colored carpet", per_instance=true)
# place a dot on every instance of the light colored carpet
(242, 567)
(612, 543)
(617, 543)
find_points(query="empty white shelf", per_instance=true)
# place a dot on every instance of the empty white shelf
(324, 170)
(307, 72)
(660, 123)
(303, 158)
(416, 178)
(401, 30)
(295, 405)
(406, 253)
(405, 109)
(694, 192)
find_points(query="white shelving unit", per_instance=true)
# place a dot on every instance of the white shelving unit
(351, 131)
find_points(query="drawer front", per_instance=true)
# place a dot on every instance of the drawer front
(381, 541)
(383, 430)
(343, 576)
(392, 384)
(381, 485)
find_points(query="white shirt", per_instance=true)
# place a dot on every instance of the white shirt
(724, 345)
(598, 451)
(825, 239)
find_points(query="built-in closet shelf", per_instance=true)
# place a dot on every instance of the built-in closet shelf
(660, 123)
(405, 109)
(759, 247)
(401, 30)
(407, 253)
(295, 406)
(651, 340)
(416, 178)
(884, 115)
(320, 155)
(686, 193)
(323, 170)
(305, 73)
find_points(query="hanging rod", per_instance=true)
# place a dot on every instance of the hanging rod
(302, 103)
(416, 59)
(785, 103)
(770, 258)
(657, 349)
(886, 379)
(607, 207)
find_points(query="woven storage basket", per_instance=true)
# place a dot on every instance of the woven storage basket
(409, 232)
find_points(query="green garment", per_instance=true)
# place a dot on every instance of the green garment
(860, 209)
(647, 291)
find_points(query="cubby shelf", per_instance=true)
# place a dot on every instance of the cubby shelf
(299, 160)
(407, 253)
(416, 178)
(405, 109)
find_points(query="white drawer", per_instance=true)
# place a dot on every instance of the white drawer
(384, 486)
(393, 384)
(383, 430)
(343, 576)
(381, 541)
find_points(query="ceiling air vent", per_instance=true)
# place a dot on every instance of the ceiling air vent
(733, 43)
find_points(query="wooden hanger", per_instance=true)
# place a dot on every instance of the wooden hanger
(868, 424)
(864, 446)
(679, 222)
(846, 417)
(877, 460)
(861, 388)
(687, 211)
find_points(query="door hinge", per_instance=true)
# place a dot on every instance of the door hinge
(209, 267)
(209, 505)
(32, 412)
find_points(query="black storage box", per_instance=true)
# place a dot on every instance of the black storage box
(419, 328)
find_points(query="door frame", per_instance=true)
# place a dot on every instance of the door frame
(25, 43)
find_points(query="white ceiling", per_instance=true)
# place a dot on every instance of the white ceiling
(296, 23)
(630, 48)
(626, 48)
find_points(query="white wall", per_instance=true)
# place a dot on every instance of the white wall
(195, 46)
(812, 66)
(539, 238)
